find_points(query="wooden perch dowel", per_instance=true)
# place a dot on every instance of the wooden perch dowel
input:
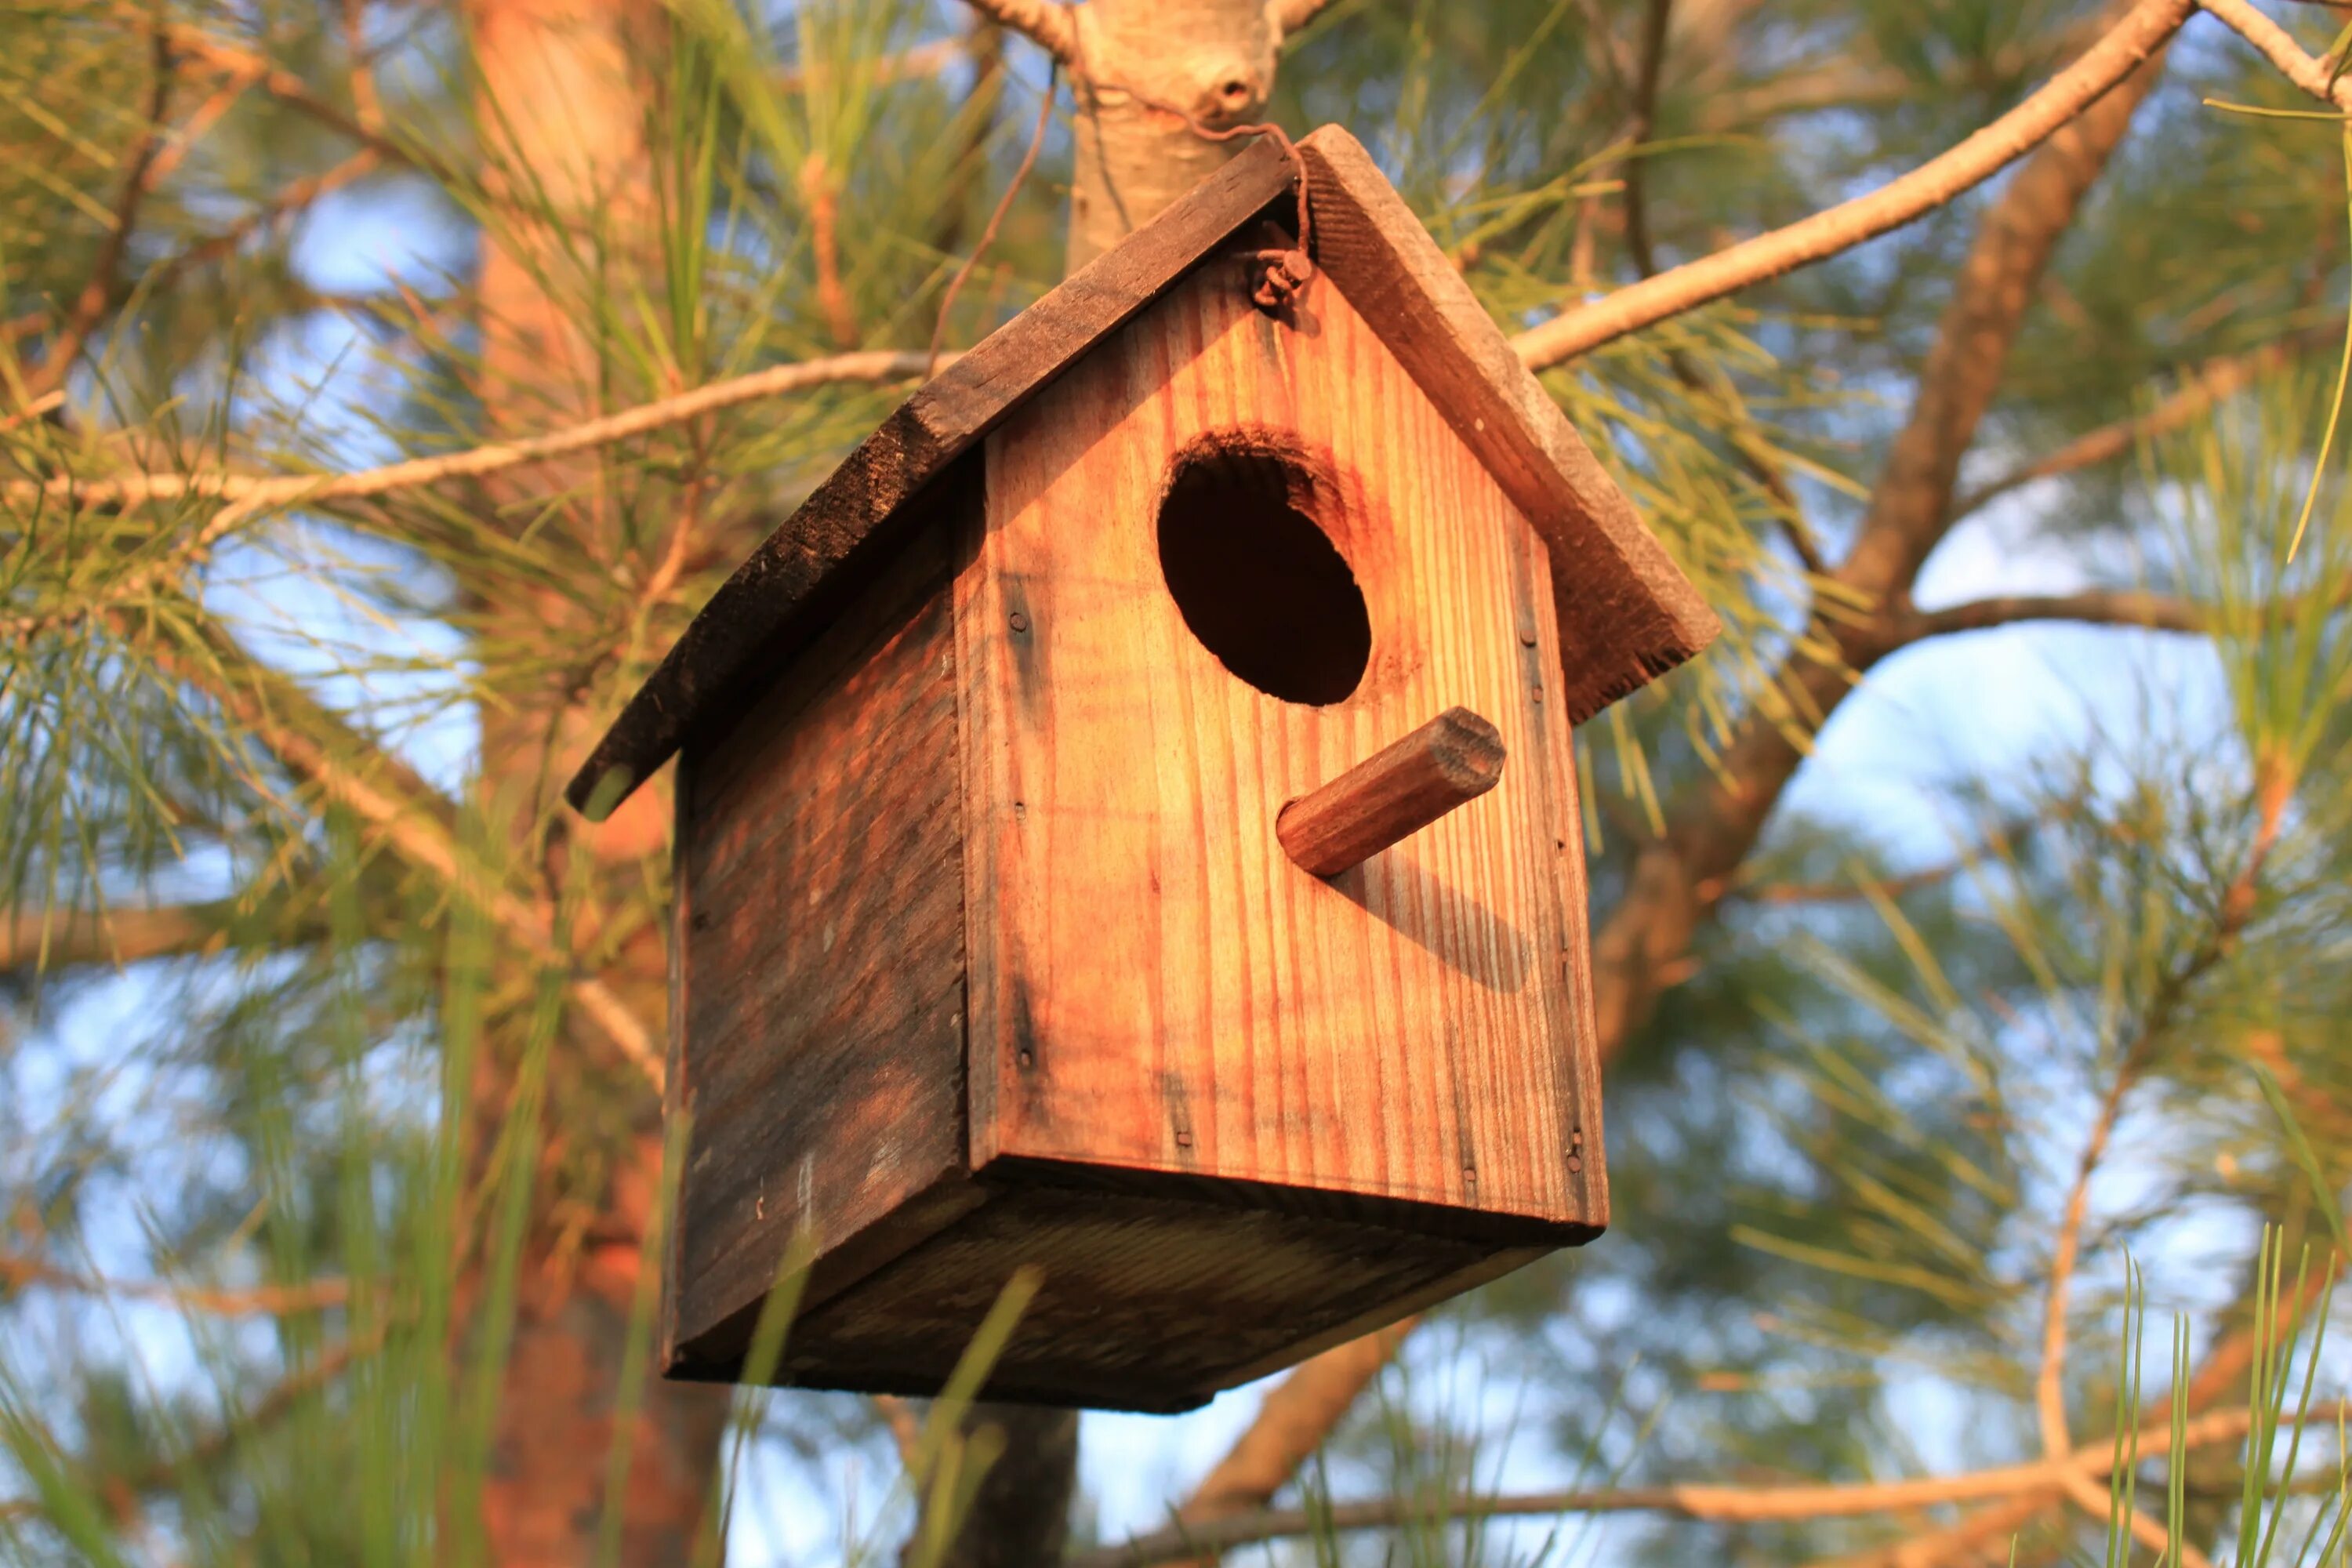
(1398, 790)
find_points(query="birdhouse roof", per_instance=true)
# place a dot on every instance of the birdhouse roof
(1626, 613)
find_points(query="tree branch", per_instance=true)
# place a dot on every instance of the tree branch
(2095, 606)
(1644, 125)
(89, 307)
(2280, 49)
(1045, 23)
(1733, 1505)
(2204, 385)
(1298, 1414)
(254, 493)
(49, 940)
(2143, 30)
(272, 1300)
(415, 820)
(250, 495)
(292, 91)
(1290, 15)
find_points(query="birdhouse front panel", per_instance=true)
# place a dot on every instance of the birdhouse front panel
(1226, 557)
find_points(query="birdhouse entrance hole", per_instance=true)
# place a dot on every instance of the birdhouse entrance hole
(1256, 576)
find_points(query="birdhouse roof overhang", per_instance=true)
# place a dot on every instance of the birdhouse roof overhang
(1626, 613)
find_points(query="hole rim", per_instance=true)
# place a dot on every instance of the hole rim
(1317, 503)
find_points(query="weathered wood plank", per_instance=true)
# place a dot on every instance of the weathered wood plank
(822, 988)
(1154, 985)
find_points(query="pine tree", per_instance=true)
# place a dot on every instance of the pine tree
(336, 1072)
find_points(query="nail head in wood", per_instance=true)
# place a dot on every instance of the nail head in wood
(1397, 791)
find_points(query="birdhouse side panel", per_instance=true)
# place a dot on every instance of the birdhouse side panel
(1155, 659)
(821, 965)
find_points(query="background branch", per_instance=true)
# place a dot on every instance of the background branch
(1737, 1505)
(2130, 43)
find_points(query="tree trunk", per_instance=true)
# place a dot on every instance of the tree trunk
(1141, 67)
(564, 94)
(1021, 1518)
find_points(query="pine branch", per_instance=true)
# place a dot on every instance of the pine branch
(1045, 23)
(2093, 606)
(2279, 47)
(1731, 1505)
(257, 493)
(51, 939)
(89, 307)
(364, 778)
(2199, 390)
(2142, 32)
(267, 1301)
(1711, 831)
(295, 196)
(241, 63)
(250, 496)
(2097, 607)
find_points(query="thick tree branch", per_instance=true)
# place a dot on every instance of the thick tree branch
(2142, 31)
(1298, 1414)
(1711, 831)
(1733, 1505)
(1045, 23)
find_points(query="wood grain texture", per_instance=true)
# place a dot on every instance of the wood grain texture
(752, 615)
(822, 978)
(1154, 985)
(1626, 613)
(1396, 792)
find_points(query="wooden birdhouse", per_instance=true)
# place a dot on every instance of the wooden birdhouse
(1085, 851)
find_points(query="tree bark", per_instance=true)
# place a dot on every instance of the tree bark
(562, 89)
(1021, 1518)
(1140, 68)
